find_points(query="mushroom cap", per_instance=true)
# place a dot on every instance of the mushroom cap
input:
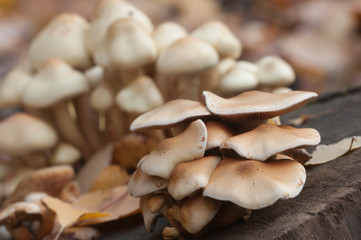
(94, 75)
(187, 146)
(220, 37)
(141, 184)
(170, 114)
(63, 38)
(197, 211)
(129, 45)
(166, 33)
(55, 81)
(186, 56)
(274, 71)
(238, 80)
(65, 153)
(107, 12)
(22, 133)
(254, 184)
(257, 105)
(149, 217)
(140, 96)
(50, 180)
(12, 88)
(269, 139)
(249, 66)
(102, 97)
(188, 177)
(217, 132)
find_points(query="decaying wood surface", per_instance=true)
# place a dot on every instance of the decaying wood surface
(329, 207)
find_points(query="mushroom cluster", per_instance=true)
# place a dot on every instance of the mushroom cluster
(223, 160)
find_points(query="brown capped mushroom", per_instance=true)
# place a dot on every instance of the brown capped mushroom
(191, 176)
(187, 146)
(254, 184)
(256, 105)
(269, 139)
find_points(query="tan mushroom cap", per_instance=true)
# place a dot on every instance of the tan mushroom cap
(197, 212)
(166, 33)
(217, 132)
(149, 217)
(187, 146)
(141, 184)
(170, 114)
(254, 184)
(107, 12)
(63, 38)
(12, 88)
(9, 214)
(189, 177)
(50, 180)
(274, 71)
(94, 75)
(186, 56)
(129, 45)
(269, 139)
(140, 96)
(257, 105)
(102, 97)
(22, 133)
(55, 81)
(220, 37)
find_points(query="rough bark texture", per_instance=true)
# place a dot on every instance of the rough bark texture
(329, 207)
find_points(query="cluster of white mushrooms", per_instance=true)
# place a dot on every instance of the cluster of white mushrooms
(223, 161)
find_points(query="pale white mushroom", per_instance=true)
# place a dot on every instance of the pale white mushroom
(166, 33)
(274, 72)
(220, 37)
(64, 38)
(179, 61)
(94, 75)
(65, 153)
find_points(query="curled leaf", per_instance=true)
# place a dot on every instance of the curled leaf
(330, 152)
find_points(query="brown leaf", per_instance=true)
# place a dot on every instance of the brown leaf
(327, 153)
(115, 201)
(68, 215)
(94, 167)
(111, 176)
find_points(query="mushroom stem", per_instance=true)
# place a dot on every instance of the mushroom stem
(88, 122)
(117, 123)
(188, 87)
(165, 85)
(128, 76)
(68, 128)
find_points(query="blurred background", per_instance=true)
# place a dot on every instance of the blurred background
(321, 39)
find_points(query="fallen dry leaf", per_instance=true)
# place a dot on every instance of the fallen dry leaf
(115, 201)
(68, 215)
(326, 153)
(110, 177)
(94, 166)
(305, 117)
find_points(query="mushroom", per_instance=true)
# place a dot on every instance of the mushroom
(256, 105)
(254, 184)
(197, 211)
(166, 33)
(170, 114)
(187, 146)
(274, 72)
(54, 84)
(65, 153)
(107, 12)
(27, 137)
(191, 176)
(246, 144)
(217, 132)
(62, 38)
(141, 184)
(179, 61)
(220, 37)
